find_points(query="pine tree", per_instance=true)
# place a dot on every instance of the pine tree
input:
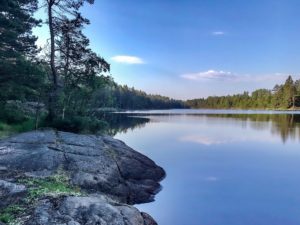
(289, 92)
(72, 63)
(19, 75)
(16, 23)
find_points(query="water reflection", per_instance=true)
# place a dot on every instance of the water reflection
(119, 123)
(222, 169)
(286, 126)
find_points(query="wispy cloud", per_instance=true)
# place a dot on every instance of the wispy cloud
(126, 59)
(220, 75)
(210, 75)
(218, 33)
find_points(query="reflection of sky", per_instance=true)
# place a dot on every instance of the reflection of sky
(221, 171)
(216, 131)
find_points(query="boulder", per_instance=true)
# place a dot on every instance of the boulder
(112, 175)
(95, 163)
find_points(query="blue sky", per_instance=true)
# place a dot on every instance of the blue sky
(191, 48)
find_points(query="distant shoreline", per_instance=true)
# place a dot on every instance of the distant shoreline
(254, 109)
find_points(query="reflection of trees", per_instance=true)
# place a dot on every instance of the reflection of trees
(120, 123)
(288, 127)
(285, 125)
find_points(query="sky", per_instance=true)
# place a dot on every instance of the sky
(190, 49)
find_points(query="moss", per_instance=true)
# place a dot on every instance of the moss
(54, 186)
(6, 218)
(9, 214)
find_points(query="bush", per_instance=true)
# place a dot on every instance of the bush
(27, 125)
(79, 124)
(12, 115)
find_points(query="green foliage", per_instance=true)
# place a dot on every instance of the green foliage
(123, 97)
(12, 115)
(13, 120)
(74, 66)
(20, 74)
(9, 129)
(281, 97)
(22, 80)
(16, 23)
(79, 124)
(25, 126)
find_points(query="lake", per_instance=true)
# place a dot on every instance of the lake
(223, 167)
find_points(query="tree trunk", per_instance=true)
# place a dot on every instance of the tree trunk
(52, 44)
(54, 93)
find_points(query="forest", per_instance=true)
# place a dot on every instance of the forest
(65, 84)
(281, 97)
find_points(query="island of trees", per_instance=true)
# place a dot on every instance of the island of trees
(281, 97)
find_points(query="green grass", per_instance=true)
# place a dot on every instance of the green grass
(55, 186)
(9, 129)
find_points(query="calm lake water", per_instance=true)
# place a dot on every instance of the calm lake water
(223, 167)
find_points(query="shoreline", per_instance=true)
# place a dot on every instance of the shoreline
(72, 178)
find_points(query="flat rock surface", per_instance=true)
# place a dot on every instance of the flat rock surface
(87, 210)
(99, 165)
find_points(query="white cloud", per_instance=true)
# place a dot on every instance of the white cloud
(126, 59)
(218, 33)
(220, 75)
(210, 75)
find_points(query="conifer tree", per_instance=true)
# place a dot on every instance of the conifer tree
(19, 74)
(73, 64)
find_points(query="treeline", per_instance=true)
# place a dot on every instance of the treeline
(126, 98)
(284, 96)
(66, 80)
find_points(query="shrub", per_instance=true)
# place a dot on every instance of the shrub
(12, 115)
(79, 124)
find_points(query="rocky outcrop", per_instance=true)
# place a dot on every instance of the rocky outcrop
(10, 193)
(111, 176)
(87, 210)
